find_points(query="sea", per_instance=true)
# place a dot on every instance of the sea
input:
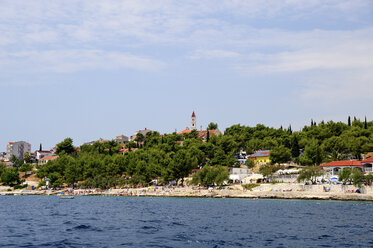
(102, 221)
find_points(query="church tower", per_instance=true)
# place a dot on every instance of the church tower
(193, 122)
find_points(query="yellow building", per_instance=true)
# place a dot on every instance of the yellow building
(261, 157)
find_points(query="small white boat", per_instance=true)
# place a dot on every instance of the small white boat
(66, 197)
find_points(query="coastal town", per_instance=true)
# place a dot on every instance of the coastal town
(263, 173)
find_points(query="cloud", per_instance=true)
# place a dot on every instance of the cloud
(213, 54)
(337, 90)
(309, 50)
(67, 61)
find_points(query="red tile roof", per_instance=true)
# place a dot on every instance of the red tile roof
(369, 160)
(342, 163)
(49, 158)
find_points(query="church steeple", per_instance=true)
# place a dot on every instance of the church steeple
(193, 122)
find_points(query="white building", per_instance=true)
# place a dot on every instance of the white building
(17, 149)
(121, 139)
(143, 132)
(45, 160)
(333, 168)
(237, 174)
(42, 154)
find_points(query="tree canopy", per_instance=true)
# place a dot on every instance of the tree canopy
(172, 157)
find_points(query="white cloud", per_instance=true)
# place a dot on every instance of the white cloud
(74, 60)
(213, 54)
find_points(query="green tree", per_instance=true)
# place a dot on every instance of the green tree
(344, 175)
(65, 146)
(10, 176)
(357, 177)
(267, 170)
(313, 154)
(212, 126)
(26, 157)
(294, 146)
(250, 163)
(211, 175)
(181, 166)
(25, 167)
(13, 159)
(310, 173)
(280, 154)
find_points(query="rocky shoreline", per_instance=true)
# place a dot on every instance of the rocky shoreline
(204, 193)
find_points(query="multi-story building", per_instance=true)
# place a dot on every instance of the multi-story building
(17, 149)
(121, 139)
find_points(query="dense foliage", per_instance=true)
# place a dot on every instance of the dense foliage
(354, 176)
(9, 176)
(171, 157)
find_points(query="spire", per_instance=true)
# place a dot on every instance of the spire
(193, 122)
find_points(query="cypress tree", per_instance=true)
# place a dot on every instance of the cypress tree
(365, 123)
(349, 121)
(208, 135)
(41, 147)
(294, 147)
(289, 129)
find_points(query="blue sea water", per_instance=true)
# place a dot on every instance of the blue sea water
(47, 221)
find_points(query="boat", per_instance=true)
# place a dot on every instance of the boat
(66, 197)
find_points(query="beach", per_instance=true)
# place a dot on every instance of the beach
(273, 191)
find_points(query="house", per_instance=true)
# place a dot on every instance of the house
(367, 165)
(121, 139)
(334, 167)
(100, 140)
(125, 150)
(241, 157)
(143, 132)
(260, 157)
(42, 154)
(237, 174)
(45, 160)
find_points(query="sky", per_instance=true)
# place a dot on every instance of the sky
(87, 69)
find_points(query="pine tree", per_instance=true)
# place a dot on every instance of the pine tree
(349, 121)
